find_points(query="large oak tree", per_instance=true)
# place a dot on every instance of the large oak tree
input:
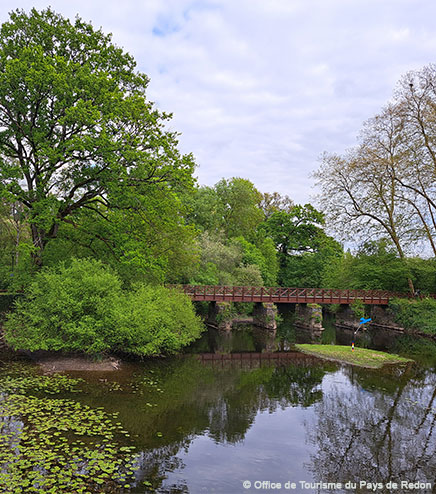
(76, 128)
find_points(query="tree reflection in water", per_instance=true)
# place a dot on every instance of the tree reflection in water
(225, 409)
(376, 427)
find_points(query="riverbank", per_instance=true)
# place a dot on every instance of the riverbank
(362, 357)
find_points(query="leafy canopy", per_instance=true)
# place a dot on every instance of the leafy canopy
(231, 206)
(76, 129)
(295, 231)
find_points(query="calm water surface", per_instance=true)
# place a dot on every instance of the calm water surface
(231, 411)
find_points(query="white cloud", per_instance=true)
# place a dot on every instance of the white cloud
(260, 89)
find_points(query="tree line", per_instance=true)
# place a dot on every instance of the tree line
(89, 171)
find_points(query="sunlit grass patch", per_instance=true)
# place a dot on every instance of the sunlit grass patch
(362, 357)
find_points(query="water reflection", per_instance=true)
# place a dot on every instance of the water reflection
(297, 419)
(237, 409)
(378, 428)
(248, 413)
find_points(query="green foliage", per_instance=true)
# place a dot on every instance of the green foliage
(79, 132)
(24, 269)
(66, 308)
(338, 274)
(149, 243)
(300, 271)
(358, 308)
(240, 202)
(263, 257)
(204, 209)
(308, 269)
(226, 313)
(214, 250)
(238, 262)
(231, 207)
(415, 315)
(152, 320)
(248, 276)
(217, 261)
(15, 247)
(270, 268)
(423, 273)
(295, 231)
(250, 253)
(82, 307)
(305, 252)
(376, 266)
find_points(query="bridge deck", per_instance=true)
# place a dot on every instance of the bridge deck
(281, 295)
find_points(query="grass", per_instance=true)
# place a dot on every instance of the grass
(362, 357)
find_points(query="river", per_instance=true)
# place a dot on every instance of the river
(239, 412)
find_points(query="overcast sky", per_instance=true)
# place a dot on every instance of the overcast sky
(260, 88)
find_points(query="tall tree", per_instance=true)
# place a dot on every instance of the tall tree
(231, 206)
(302, 246)
(385, 187)
(76, 129)
(416, 107)
(240, 203)
(294, 232)
(360, 195)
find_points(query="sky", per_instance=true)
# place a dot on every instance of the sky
(259, 89)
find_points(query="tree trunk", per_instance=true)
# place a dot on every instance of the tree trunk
(39, 242)
(411, 287)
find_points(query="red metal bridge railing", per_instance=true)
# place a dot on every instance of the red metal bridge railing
(288, 295)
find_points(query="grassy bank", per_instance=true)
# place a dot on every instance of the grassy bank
(362, 357)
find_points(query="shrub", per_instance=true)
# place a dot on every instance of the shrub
(153, 319)
(82, 307)
(415, 314)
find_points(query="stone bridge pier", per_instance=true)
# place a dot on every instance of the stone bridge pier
(309, 316)
(221, 316)
(264, 315)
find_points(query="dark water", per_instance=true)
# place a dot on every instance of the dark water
(234, 410)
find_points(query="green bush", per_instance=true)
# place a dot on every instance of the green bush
(153, 319)
(415, 314)
(82, 307)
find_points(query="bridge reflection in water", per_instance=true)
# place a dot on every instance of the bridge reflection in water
(249, 360)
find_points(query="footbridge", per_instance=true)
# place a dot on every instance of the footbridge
(281, 295)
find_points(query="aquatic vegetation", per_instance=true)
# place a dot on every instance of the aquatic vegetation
(54, 384)
(59, 445)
